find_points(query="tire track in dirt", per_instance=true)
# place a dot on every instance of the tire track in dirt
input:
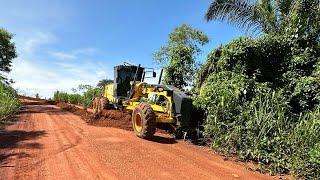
(73, 149)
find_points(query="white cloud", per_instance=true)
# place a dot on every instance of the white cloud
(29, 44)
(32, 78)
(74, 54)
(62, 55)
(41, 69)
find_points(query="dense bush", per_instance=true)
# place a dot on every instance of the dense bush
(84, 99)
(261, 97)
(264, 59)
(9, 102)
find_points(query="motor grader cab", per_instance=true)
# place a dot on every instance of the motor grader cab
(149, 104)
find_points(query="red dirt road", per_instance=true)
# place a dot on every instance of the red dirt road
(47, 142)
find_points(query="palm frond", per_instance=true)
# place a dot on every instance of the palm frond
(267, 10)
(240, 13)
(284, 6)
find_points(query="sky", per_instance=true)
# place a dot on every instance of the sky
(62, 44)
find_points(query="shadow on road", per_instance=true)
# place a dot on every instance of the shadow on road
(11, 139)
(163, 140)
(14, 139)
(41, 109)
(35, 103)
(38, 107)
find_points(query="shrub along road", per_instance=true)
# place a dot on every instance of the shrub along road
(47, 142)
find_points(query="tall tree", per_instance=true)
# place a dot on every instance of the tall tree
(104, 82)
(7, 53)
(178, 56)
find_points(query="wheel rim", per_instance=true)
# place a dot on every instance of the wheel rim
(94, 104)
(138, 122)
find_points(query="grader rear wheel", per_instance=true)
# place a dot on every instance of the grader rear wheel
(144, 120)
(96, 104)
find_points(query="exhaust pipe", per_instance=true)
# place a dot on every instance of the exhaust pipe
(160, 77)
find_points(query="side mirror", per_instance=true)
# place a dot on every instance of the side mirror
(154, 74)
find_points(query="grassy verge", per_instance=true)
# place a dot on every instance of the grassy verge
(84, 99)
(9, 102)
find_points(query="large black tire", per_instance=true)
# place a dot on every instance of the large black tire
(104, 104)
(144, 120)
(95, 105)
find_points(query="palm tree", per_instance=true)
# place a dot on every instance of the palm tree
(266, 16)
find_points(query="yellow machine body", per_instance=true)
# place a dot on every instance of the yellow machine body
(108, 92)
(142, 89)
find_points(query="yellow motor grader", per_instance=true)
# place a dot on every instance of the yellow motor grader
(149, 104)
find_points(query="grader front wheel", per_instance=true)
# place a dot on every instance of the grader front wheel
(96, 104)
(144, 120)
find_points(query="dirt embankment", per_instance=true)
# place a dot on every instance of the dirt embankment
(106, 118)
(112, 118)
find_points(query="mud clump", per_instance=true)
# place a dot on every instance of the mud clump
(112, 118)
(74, 110)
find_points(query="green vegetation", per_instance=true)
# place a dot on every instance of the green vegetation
(102, 83)
(261, 95)
(254, 121)
(178, 56)
(9, 103)
(267, 16)
(84, 98)
(7, 53)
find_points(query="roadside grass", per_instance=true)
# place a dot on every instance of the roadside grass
(84, 99)
(9, 102)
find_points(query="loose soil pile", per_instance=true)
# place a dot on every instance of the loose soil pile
(106, 118)
(75, 110)
(112, 118)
